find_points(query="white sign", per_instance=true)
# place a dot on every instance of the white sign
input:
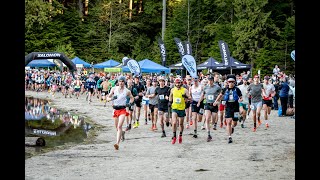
(79, 65)
(189, 63)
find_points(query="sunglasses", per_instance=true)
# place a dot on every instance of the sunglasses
(230, 81)
(178, 82)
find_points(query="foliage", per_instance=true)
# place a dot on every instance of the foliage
(261, 32)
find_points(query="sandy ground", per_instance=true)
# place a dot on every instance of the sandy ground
(264, 154)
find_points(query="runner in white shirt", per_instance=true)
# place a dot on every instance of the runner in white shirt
(243, 106)
(267, 99)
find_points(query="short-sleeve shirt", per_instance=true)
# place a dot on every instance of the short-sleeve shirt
(211, 93)
(255, 91)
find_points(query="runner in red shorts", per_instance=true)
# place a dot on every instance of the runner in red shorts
(119, 96)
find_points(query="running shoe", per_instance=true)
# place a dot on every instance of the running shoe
(187, 126)
(202, 127)
(209, 138)
(195, 136)
(116, 146)
(136, 124)
(242, 125)
(254, 129)
(230, 140)
(259, 123)
(129, 127)
(240, 118)
(191, 122)
(163, 135)
(267, 125)
(215, 127)
(146, 122)
(174, 139)
(155, 127)
(167, 124)
(180, 139)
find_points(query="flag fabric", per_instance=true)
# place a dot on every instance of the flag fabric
(163, 52)
(225, 53)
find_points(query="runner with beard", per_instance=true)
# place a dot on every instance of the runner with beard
(163, 93)
(177, 101)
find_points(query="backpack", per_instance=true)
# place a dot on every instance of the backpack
(234, 93)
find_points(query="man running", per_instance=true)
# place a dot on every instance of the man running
(138, 98)
(119, 95)
(267, 99)
(212, 93)
(177, 101)
(153, 104)
(255, 90)
(243, 106)
(163, 93)
(232, 95)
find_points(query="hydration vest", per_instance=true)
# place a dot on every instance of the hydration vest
(234, 93)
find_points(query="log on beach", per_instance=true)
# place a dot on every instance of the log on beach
(34, 141)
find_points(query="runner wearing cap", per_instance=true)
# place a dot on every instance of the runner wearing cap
(177, 101)
(197, 111)
(212, 94)
(119, 95)
(232, 95)
(267, 99)
(256, 91)
(163, 93)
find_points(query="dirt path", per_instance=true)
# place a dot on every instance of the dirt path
(265, 154)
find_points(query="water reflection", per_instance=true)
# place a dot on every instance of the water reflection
(55, 126)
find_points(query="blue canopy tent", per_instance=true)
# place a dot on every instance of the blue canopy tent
(148, 66)
(107, 64)
(41, 63)
(211, 64)
(77, 60)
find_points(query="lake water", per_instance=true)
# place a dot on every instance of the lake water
(48, 127)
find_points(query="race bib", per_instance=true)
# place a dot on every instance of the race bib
(143, 102)
(178, 100)
(102, 94)
(236, 115)
(252, 107)
(223, 102)
(210, 97)
(201, 111)
(161, 97)
(91, 86)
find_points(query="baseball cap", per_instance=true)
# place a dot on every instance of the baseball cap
(161, 78)
(266, 77)
(210, 77)
(122, 78)
(171, 74)
(136, 76)
(177, 80)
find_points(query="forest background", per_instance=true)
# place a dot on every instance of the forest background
(258, 32)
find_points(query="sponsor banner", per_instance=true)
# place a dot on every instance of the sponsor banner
(293, 54)
(47, 55)
(189, 63)
(44, 132)
(188, 47)
(134, 67)
(125, 60)
(180, 46)
(163, 52)
(225, 53)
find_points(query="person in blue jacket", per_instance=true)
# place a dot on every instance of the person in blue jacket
(284, 94)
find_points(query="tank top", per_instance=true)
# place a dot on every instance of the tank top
(121, 97)
(196, 93)
(178, 102)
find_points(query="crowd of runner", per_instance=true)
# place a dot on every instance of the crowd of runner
(173, 102)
